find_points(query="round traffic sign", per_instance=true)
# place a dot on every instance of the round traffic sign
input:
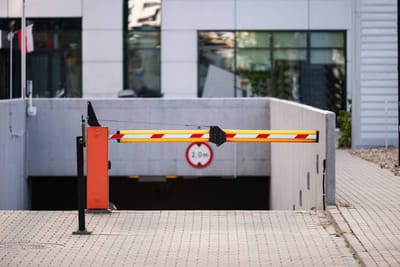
(199, 155)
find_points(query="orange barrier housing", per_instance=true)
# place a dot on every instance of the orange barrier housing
(97, 168)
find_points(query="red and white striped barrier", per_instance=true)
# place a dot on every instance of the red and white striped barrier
(202, 136)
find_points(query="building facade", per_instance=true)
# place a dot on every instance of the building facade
(318, 52)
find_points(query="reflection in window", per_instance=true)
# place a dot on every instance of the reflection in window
(290, 39)
(55, 66)
(253, 39)
(143, 13)
(216, 62)
(327, 39)
(142, 47)
(308, 67)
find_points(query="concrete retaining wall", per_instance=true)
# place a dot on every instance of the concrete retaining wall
(52, 135)
(13, 182)
(297, 170)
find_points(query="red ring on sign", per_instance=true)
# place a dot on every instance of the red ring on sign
(197, 165)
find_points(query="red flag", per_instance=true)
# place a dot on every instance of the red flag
(28, 38)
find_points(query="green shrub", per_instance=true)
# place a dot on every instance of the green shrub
(344, 121)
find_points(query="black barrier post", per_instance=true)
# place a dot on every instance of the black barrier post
(81, 187)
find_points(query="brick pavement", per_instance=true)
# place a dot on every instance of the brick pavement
(368, 210)
(172, 238)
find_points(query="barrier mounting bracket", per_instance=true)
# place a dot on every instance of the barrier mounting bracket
(217, 135)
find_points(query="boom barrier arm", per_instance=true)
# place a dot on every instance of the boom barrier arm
(215, 135)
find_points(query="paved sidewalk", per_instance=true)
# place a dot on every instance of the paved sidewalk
(368, 210)
(172, 238)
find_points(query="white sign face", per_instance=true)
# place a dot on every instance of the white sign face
(199, 155)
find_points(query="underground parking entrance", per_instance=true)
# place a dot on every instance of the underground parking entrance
(159, 193)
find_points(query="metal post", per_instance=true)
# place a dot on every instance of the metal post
(80, 144)
(23, 51)
(81, 188)
(398, 82)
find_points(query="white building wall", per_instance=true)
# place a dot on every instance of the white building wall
(43, 8)
(182, 19)
(371, 46)
(102, 48)
(272, 15)
(13, 136)
(375, 97)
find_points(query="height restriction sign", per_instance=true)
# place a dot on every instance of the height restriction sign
(199, 155)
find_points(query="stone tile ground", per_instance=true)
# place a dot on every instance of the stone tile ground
(171, 238)
(369, 202)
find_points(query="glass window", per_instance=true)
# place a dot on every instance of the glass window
(142, 47)
(290, 39)
(253, 39)
(327, 56)
(216, 64)
(143, 13)
(327, 39)
(290, 54)
(55, 65)
(144, 63)
(253, 59)
(308, 67)
(253, 68)
(323, 81)
(213, 39)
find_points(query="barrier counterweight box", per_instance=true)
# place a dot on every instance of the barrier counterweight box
(97, 168)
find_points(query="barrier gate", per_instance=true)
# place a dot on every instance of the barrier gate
(97, 138)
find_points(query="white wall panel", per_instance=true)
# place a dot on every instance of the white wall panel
(330, 14)
(105, 45)
(46, 8)
(193, 14)
(13, 182)
(102, 14)
(102, 79)
(179, 79)
(277, 14)
(376, 73)
(179, 45)
(3, 8)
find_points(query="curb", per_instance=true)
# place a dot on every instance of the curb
(343, 229)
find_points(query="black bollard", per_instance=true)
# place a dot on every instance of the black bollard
(81, 187)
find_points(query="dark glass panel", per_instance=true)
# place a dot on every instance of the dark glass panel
(144, 72)
(55, 64)
(144, 39)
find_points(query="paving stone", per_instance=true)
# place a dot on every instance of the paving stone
(177, 238)
(372, 209)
